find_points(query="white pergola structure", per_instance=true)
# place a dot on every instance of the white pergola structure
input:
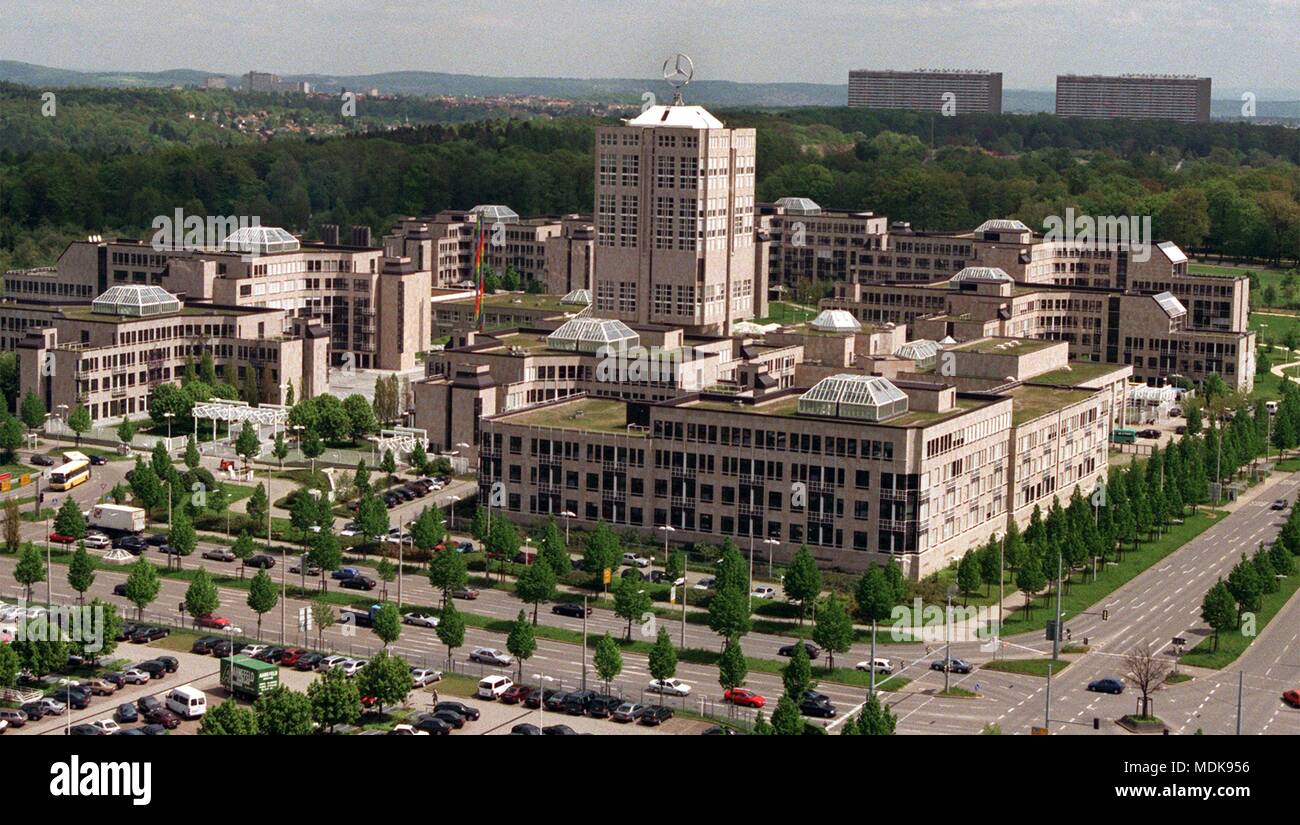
(401, 440)
(237, 412)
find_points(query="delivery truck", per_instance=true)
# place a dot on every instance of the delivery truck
(116, 519)
(252, 678)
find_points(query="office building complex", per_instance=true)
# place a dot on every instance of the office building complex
(927, 90)
(1184, 98)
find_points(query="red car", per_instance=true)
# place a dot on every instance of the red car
(1292, 698)
(218, 622)
(743, 697)
(291, 657)
(514, 694)
(59, 538)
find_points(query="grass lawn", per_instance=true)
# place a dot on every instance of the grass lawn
(1274, 327)
(785, 312)
(1178, 678)
(1267, 386)
(1233, 644)
(958, 693)
(1027, 667)
(1084, 592)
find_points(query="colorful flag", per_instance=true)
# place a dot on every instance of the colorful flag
(478, 272)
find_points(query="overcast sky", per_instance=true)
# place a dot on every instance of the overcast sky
(1247, 44)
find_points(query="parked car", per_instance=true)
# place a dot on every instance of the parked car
(97, 541)
(576, 702)
(127, 714)
(423, 676)
(669, 687)
(107, 727)
(155, 669)
(134, 676)
(491, 656)
(98, 687)
(1181, 429)
(662, 577)
(558, 730)
(223, 648)
(42, 460)
(330, 662)
(84, 730)
(763, 591)
(45, 706)
(59, 538)
(1107, 685)
(628, 712)
(706, 583)
(15, 717)
(359, 583)
(156, 540)
(656, 715)
(114, 677)
(203, 645)
(514, 694)
(635, 560)
(131, 544)
(98, 460)
(955, 665)
(420, 620)
(432, 726)
(144, 635)
(72, 696)
(308, 661)
(406, 730)
(252, 650)
(261, 561)
(743, 697)
(537, 696)
(219, 554)
(162, 716)
(571, 609)
(1291, 697)
(788, 650)
(468, 711)
(525, 729)
(351, 666)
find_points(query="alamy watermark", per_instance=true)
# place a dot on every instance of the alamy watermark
(1131, 233)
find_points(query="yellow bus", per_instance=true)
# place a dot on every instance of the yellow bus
(75, 470)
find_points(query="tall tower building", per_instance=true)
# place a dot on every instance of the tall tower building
(675, 220)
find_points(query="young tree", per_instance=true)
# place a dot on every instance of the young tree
(797, 674)
(283, 712)
(388, 624)
(243, 548)
(192, 457)
(521, 642)
(608, 660)
(13, 525)
(372, 518)
(1219, 610)
(81, 572)
(387, 573)
(551, 550)
(602, 550)
(322, 615)
(663, 657)
(79, 422)
(803, 581)
(69, 521)
(631, 601)
(257, 506)
(312, 447)
(280, 449)
(262, 597)
(428, 530)
(447, 572)
(1147, 671)
(990, 564)
(11, 436)
(248, 445)
(733, 668)
(361, 478)
(142, 585)
(181, 536)
(30, 569)
(786, 719)
(833, 628)
(536, 585)
(451, 629)
(201, 597)
(32, 411)
(229, 719)
(388, 463)
(968, 576)
(876, 719)
(419, 459)
(1030, 579)
(334, 699)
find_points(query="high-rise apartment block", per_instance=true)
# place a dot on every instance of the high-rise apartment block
(1184, 98)
(927, 90)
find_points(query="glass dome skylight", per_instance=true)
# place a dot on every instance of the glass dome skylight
(863, 397)
(922, 351)
(495, 213)
(836, 320)
(136, 301)
(982, 274)
(799, 206)
(579, 297)
(1002, 225)
(585, 334)
(260, 240)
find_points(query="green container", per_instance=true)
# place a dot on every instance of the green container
(252, 678)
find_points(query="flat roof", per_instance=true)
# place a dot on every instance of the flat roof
(998, 346)
(787, 407)
(522, 300)
(85, 313)
(1029, 401)
(598, 415)
(1079, 372)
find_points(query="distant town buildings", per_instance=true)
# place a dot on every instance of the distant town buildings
(927, 90)
(267, 83)
(1183, 98)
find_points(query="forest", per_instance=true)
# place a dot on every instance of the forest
(1222, 189)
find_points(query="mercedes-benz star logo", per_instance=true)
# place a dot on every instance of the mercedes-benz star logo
(678, 70)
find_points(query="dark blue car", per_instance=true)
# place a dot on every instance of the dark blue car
(1107, 685)
(127, 713)
(345, 573)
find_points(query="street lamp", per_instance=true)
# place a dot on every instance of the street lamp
(169, 417)
(541, 698)
(452, 509)
(771, 544)
(667, 528)
(568, 514)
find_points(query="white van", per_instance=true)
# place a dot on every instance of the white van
(493, 686)
(187, 703)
